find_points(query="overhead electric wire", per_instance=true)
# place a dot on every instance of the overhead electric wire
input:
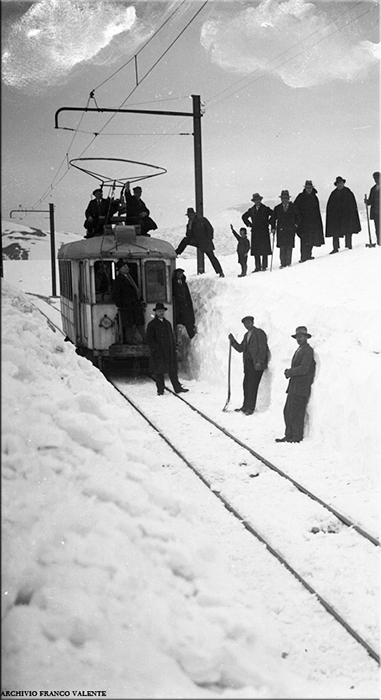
(154, 65)
(270, 70)
(51, 187)
(142, 47)
(245, 78)
(65, 159)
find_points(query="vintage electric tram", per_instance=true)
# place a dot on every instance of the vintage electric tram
(87, 270)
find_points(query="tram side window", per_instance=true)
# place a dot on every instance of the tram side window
(66, 287)
(156, 281)
(103, 278)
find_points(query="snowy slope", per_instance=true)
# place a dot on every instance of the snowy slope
(21, 242)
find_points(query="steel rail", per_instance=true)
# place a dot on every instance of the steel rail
(300, 487)
(303, 489)
(329, 608)
(244, 522)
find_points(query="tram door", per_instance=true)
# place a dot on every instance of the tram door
(83, 300)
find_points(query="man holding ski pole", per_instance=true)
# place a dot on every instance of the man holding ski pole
(374, 202)
(255, 359)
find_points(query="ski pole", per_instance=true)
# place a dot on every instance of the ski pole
(272, 251)
(229, 372)
(370, 244)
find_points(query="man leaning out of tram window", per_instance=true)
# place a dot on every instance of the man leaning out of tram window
(127, 297)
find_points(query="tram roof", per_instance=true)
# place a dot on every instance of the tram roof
(109, 246)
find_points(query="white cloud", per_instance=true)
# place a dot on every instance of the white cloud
(54, 36)
(298, 42)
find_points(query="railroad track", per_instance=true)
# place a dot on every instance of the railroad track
(265, 493)
(274, 508)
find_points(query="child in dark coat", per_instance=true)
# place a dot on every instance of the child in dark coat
(243, 248)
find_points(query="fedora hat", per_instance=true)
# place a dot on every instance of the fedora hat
(308, 182)
(256, 195)
(159, 305)
(339, 179)
(97, 189)
(190, 210)
(301, 330)
(284, 193)
(120, 263)
(251, 318)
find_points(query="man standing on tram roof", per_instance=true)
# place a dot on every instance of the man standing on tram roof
(98, 213)
(137, 209)
(163, 359)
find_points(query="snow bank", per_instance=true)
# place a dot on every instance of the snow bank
(108, 580)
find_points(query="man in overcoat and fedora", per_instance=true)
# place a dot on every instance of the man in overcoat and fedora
(136, 210)
(310, 229)
(182, 301)
(285, 221)
(199, 233)
(342, 217)
(163, 359)
(98, 213)
(258, 217)
(255, 360)
(301, 375)
(374, 202)
(126, 295)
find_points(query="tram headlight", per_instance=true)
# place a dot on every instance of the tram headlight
(106, 322)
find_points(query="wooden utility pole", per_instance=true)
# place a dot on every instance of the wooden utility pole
(49, 211)
(199, 197)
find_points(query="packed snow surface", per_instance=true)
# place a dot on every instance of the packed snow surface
(121, 572)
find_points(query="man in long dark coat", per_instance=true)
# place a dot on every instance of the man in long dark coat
(374, 202)
(285, 220)
(163, 359)
(183, 305)
(126, 295)
(98, 213)
(301, 376)
(342, 217)
(258, 218)
(136, 210)
(310, 229)
(255, 359)
(199, 233)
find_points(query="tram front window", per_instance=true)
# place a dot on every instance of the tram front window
(102, 278)
(155, 281)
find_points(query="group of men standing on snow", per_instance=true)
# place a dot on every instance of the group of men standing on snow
(303, 218)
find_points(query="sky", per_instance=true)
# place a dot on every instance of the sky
(121, 571)
(290, 92)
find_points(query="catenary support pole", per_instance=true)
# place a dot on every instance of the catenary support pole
(49, 211)
(198, 172)
(52, 249)
(196, 114)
